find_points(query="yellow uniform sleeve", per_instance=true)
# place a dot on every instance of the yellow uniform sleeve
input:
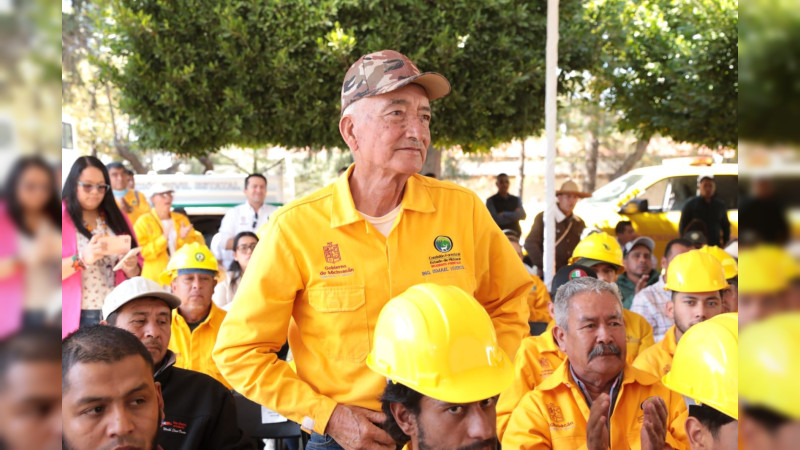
(639, 334)
(538, 298)
(524, 382)
(528, 429)
(150, 237)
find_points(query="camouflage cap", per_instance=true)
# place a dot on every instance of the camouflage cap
(385, 71)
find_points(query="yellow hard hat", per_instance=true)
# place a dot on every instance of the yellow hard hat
(765, 270)
(695, 271)
(771, 349)
(440, 342)
(705, 367)
(598, 247)
(190, 256)
(729, 265)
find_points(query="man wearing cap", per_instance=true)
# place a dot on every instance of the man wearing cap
(706, 370)
(695, 282)
(161, 232)
(594, 399)
(651, 302)
(249, 216)
(711, 210)
(199, 412)
(328, 263)
(506, 209)
(439, 332)
(130, 201)
(568, 228)
(639, 272)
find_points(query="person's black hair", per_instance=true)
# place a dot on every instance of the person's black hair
(52, 208)
(409, 398)
(621, 226)
(256, 175)
(129, 172)
(678, 241)
(711, 418)
(37, 344)
(674, 293)
(114, 218)
(430, 174)
(766, 417)
(99, 344)
(235, 268)
(116, 165)
(503, 174)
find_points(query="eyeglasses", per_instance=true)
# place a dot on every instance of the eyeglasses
(245, 247)
(87, 188)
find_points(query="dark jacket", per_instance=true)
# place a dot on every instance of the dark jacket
(713, 214)
(508, 206)
(199, 412)
(534, 243)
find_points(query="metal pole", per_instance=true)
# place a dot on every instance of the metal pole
(550, 132)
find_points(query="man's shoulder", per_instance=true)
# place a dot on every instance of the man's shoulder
(447, 188)
(190, 383)
(301, 205)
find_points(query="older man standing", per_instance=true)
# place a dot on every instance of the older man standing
(594, 399)
(342, 252)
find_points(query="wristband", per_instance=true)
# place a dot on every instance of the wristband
(77, 263)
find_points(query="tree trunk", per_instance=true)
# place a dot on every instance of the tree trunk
(591, 146)
(207, 163)
(522, 170)
(122, 146)
(433, 162)
(633, 158)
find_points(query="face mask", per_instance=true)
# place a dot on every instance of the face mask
(120, 193)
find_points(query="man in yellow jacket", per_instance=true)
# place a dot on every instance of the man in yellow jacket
(594, 399)
(326, 264)
(161, 232)
(192, 275)
(696, 280)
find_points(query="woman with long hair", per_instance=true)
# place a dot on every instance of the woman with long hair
(89, 212)
(243, 245)
(32, 205)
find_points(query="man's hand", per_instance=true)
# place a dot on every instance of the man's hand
(597, 437)
(654, 427)
(185, 229)
(642, 283)
(93, 251)
(355, 428)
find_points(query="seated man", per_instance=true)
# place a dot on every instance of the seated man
(696, 281)
(601, 253)
(109, 398)
(192, 275)
(438, 350)
(651, 302)
(768, 394)
(706, 369)
(199, 412)
(639, 271)
(594, 399)
(30, 396)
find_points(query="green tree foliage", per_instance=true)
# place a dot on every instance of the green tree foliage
(670, 66)
(199, 74)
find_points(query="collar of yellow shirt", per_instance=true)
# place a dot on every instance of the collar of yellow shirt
(212, 316)
(561, 376)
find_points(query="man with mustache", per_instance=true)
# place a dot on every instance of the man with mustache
(199, 412)
(327, 263)
(594, 399)
(696, 280)
(109, 399)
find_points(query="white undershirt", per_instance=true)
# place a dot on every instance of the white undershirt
(172, 235)
(384, 223)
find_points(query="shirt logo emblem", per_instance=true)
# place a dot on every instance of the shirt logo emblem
(199, 257)
(554, 411)
(331, 253)
(544, 363)
(443, 244)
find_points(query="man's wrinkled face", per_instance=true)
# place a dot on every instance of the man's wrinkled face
(149, 319)
(595, 338)
(30, 406)
(638, 261)
(389, 133)
(110, 406)
(194, 290)
(566, 202)
(691, 308)
(454, 426)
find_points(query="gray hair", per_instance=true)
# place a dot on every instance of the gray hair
(577, 286)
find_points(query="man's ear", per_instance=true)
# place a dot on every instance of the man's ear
(103, 322)
(347, 130)
(160, 401)
(699, 436)
(551, 309)
(670, 308)
(404, 418)
(561, 336)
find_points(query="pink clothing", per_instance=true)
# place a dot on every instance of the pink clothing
(71, 286)
(11, 286)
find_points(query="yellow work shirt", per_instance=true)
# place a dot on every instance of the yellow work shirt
(657, 360)
(554, 415)
(538, 298)
(155, 252)
(322, 273)
(537, 358)
(638, 334)
(192, 348)
(138, 202)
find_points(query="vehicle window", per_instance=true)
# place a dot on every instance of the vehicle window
(614, 189)
(681, 189)
(655, 195)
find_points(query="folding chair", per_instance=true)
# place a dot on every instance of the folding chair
(249, 413)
